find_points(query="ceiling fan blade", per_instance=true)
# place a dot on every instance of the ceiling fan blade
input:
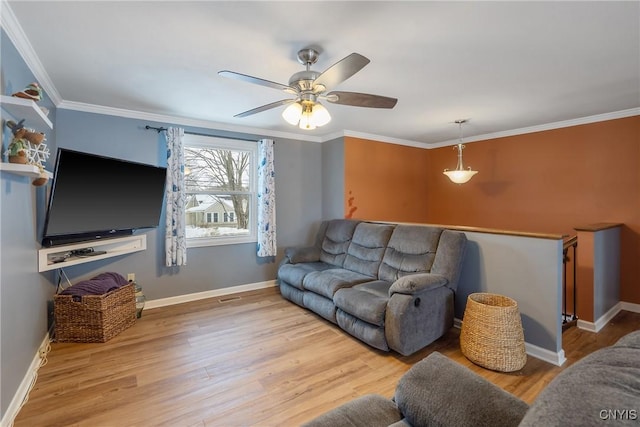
(341, 70)
(361, 99)
(265, 107)
(256, 80)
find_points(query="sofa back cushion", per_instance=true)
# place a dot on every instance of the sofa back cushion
(450, 256)
(440, 392)
(336, 239)
(367, 248)
(411, 249)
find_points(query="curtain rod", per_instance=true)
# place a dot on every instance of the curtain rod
(161, 129)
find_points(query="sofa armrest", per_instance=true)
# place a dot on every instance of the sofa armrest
(295, 255)
(366, 411)
(415, 283)
(438, 391)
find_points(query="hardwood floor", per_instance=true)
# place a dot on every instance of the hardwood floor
(256, 360)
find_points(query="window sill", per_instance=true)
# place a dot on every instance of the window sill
(219, 241)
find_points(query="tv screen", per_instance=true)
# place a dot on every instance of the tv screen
(94, 197)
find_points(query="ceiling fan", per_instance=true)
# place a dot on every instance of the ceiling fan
(309, 87)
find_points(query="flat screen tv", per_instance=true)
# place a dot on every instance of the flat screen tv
(96, 197)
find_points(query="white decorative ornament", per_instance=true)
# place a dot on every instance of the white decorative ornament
(37, 154)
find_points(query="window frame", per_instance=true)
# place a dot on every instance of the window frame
(202, 141)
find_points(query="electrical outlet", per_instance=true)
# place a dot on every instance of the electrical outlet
(131, 277)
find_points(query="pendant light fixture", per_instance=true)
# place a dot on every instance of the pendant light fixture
(460, 175)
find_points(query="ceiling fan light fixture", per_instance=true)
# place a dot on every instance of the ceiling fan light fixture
(306, 120)
(307, 115)
(320, 115)
(292, 113)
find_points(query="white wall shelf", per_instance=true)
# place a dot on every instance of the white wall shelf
(113, 247)
(20, 108)
(25, 170)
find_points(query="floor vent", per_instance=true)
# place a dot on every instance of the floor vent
(229, 299)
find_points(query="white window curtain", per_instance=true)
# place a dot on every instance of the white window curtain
(266, 200)
(175, 240)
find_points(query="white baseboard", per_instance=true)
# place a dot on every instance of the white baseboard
(163, 302)
(549, 356)
(601, 322)
(606, 318)
(24, 387)
(533, 350)
(629, 306)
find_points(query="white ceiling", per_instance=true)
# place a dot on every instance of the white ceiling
(503, 65)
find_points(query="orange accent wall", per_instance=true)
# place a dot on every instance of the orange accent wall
(547, 182)
(385, 182)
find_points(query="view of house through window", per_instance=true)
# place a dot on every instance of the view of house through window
(220, 187)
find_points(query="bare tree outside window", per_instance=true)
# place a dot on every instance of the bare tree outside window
(218, 183)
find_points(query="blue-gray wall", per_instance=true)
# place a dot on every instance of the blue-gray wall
(606, 271)
(298, 181)
(24, 293)
(333, 178)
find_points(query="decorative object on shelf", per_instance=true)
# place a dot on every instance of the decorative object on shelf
(19, 131)
(42, 179)
(17, 151)
(32, 91)
(27, 147)
(460, 175)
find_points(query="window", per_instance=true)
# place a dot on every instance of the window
(220, 182)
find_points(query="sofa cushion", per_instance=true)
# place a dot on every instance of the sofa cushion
(327, 282)
(411, 249)
(450, 255)
(366, 411)
(364, 331)
(334, 245)
(294, 295)
(367, 301)
(320, 305)
(367, 248)
(591, 391)
(440, 392)
(294, 274)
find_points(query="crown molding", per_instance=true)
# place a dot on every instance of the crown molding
(19, 39)
(183, 121)
(548, 126)
(379, 138)
(206, 124)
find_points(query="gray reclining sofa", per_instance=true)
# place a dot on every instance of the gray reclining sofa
(602, 388)
(389, 285)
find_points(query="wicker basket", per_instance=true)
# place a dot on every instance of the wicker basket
(492, 334)
(95, 318)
